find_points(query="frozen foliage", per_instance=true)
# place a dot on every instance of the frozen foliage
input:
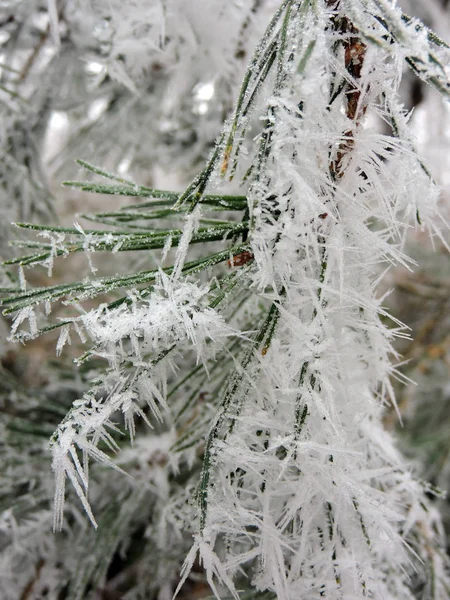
(129, 334)
(144, 72)
(142, 31)
(264, 379)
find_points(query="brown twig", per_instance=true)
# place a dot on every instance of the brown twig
(355, 109)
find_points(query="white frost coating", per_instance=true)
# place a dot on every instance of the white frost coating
(302, 495)
(190, 227)
(25, 314)
(172, 313)
(300, 480)
(63, 339)
(57, 247)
